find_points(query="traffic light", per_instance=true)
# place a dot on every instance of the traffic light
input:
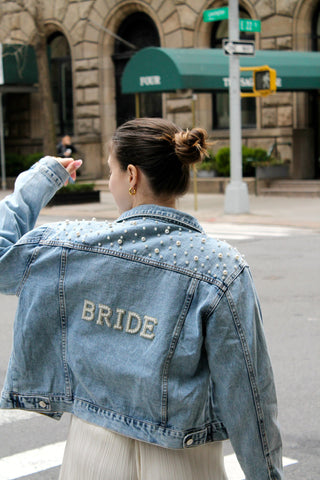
(264, 80)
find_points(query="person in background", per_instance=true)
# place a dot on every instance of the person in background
(145, 329)
(65, 148)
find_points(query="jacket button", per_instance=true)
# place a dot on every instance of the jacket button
(42, 404)
(190, 441)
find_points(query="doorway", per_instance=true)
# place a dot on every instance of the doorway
(139, 30)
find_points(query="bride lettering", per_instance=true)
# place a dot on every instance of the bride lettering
(127, 321)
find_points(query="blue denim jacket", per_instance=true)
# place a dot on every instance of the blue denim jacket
(145, 326)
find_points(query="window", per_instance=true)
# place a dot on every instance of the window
(61, 83)
(139, 30)
(314, 96)
(316, 30)
(220, 100)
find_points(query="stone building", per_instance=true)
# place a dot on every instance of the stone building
(90, 42)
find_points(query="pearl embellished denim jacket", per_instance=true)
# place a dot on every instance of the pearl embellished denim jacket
(145, 326)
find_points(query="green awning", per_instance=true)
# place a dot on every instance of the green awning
(18, 65)
(155, 69)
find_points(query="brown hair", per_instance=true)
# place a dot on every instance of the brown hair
(161, 150)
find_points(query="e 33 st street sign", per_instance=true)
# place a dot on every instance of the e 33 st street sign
(249, 25)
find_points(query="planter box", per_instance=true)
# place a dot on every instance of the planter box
(74, 198)
(206, 173)
(273, 171)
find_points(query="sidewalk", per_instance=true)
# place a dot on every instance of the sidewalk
(299, 212)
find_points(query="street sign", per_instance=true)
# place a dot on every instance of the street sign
(241, 47)
(248, 25)
(216, 14)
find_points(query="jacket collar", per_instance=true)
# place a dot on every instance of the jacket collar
(167, 214)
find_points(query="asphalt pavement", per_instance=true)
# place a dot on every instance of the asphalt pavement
(280, 239)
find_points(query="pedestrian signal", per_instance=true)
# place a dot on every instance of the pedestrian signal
(264, 80)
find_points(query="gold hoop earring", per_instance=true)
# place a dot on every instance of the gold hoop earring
(132, 191)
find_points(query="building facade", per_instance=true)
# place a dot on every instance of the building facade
(90, 42)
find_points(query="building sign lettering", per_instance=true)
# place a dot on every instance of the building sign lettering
(150, 81)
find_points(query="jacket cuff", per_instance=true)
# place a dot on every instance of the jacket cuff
(52, 169)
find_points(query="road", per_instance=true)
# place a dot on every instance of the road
(285, 263)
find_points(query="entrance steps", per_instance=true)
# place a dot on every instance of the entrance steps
(102, 185)
(292, 188)
(99, 184)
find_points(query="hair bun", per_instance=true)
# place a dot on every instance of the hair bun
(191, 145)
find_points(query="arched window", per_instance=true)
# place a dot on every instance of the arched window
(315, 33)
(314, 97)
(61, 82)
(139, 30)
(220, 100)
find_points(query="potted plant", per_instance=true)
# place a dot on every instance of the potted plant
(248, 157)
(208, 167)
(272, 168)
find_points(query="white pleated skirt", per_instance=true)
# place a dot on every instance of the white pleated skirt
(94, 453)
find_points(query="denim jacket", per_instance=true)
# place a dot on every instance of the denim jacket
(145, 326)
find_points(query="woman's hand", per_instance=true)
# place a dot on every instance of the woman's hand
(71, 166)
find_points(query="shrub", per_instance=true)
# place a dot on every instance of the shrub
(76, 188)
(209, 163)
(250, 157)
(14, 164)
(17, 162)
(31, 159)
(223, 161)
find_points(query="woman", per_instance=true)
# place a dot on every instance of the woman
(145, 329)
(65, 148)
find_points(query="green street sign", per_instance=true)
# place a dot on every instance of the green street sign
(216, 14)
(248, 25)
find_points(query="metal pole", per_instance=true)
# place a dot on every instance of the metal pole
(3, 160)
(236, 197)
(137, 103)
(194, 168)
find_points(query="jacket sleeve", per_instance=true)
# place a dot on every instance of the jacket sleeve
(243, 390)
(18, 214)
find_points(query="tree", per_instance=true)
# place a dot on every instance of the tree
(35, 11)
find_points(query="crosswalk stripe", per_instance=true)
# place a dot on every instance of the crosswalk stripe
(50, 456)
(234, 471)
(31, 461)
(11, 416)
(232, 231)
